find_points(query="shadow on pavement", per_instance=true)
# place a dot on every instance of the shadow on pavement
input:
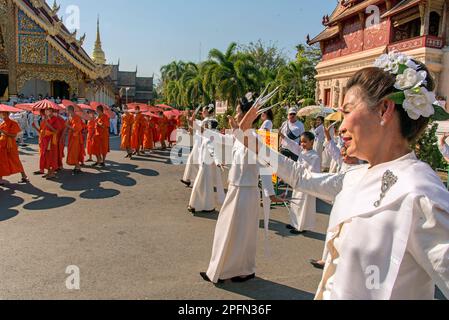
(43, 200)
(8, 201)
(260, 289)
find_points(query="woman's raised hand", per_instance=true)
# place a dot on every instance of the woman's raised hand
(249, 118)
(233, 123)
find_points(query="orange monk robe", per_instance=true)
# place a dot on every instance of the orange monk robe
(90, 136)
(61, 145)
(9, 153)
(100, 146)
(156, 131)
(138, 131)
(50, 145)
(75, 147)
(170, 128)
(163, 128)
(126, 131)
(148, 143)
(41, 131)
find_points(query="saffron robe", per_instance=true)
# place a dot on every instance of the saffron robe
(90, 136)
(100, 144)
(138, 131)
(126, 131)
(50, 144)
(75, 148)
(9, 153)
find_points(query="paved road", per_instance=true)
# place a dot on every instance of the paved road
(128, 231)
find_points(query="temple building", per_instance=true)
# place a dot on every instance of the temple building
(132, 88)
(40, 56)
(359, 31)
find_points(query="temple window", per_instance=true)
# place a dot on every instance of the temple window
(407, 30)
(434, 24)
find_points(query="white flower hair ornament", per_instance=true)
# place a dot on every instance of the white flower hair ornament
(410, 84)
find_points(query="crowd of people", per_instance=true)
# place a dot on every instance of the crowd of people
(81, 135)
(390, 217)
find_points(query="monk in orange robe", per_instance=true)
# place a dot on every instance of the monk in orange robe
(75, 147)
(50, 144)
(126, 132)
(90, 134)
(170, 128)
(137, 132)
(41, 130)
(148, 143)
(9, 153)
(163, 128)
(100, 146)
(61, 138)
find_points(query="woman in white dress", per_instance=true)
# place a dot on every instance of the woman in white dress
(203, 198)
(303, 206)
(389, 228)
(192, 165)
(235, 240)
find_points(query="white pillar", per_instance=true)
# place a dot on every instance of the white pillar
(444, 76)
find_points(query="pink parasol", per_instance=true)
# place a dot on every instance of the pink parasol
(164, 106)
(151, 115)
(46, 104)
(5, 108)
(25, 106)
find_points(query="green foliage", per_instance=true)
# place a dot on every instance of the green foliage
(229, 75)
(427, 148)
(308, 102)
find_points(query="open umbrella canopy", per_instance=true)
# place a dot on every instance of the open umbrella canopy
(5, 108)
(172, 113)
(107, 110)
(315, 111)
(46, 104)
(164, 106)
(25, 106)
(150, 114)
(85, 107)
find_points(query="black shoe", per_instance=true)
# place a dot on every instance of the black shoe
(186, 183)
(206, 278)
(102, 165)
(241, 280)
(316, 265)
(297, 232)
(95, 164)
(191, 210)
(90, 160)
(208, 211)
(290, 227)
(38, 173)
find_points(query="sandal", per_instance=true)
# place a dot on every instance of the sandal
(24, 180)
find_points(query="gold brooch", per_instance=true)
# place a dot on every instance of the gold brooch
(388, 181)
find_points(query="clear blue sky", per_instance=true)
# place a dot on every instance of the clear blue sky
(151, 33)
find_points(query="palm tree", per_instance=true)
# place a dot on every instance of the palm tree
(193, 85)
(228, 76)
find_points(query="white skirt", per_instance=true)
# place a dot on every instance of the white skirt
(203, 196)
(192, 166)
(235, 240)
(303, 212)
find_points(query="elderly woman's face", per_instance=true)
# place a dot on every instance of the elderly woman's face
(205, 113)
(360, 126)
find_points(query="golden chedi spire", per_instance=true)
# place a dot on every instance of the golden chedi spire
(98, 55)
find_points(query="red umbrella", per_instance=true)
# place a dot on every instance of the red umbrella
(25, 106)
(5, 108)
(164, 106)
(151, 115)
(172, 113)
(107, 109)
(85, 107)
(46, 104)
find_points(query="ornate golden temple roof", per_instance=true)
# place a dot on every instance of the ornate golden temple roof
(60, 38)
(98, 56)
